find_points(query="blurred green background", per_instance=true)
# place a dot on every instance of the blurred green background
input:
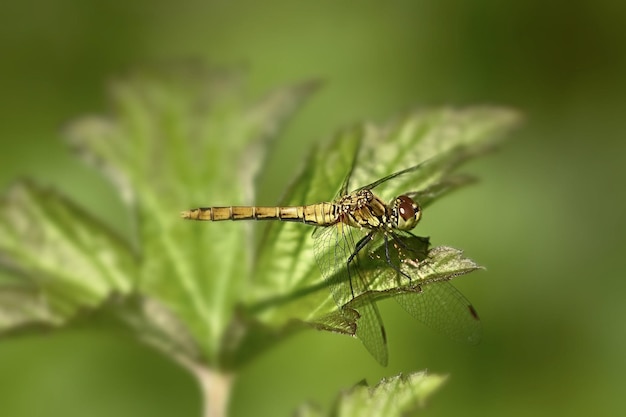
(547, 220)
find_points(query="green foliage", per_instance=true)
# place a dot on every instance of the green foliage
(440, 140)
(395, 396)
(64, 260)
(206, 294)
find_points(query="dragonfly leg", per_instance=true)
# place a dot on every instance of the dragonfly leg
(424, 241)
(359, 246)
(388, 258)
(420, 253)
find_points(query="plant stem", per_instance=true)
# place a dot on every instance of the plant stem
(216, 387)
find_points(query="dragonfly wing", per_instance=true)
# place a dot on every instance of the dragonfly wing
(442, 307)
(442, 138)
(440, 188)
(427, 295)
(371, 332)
(334, 245)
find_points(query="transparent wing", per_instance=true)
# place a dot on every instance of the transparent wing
(334, 245)
(443, 138)
(442, 307)
(420, 288)
(440, 188)
(432, 177)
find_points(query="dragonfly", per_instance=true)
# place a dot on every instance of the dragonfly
(360, 240)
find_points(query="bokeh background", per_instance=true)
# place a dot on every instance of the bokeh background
(548, 219)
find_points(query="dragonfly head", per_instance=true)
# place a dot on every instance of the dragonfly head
(406, 213)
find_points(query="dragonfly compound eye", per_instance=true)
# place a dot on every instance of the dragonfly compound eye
(408, 212)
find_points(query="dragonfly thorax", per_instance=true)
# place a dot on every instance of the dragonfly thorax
(405, 213)
(363, 209)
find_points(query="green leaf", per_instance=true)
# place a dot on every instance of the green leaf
(66, 260)
(428, 297)
(416, 155)
(175, 138)
(176, 144)
(429, 144)
(396, 396)
(23, 307)
(205, 293)
(153, 323)
(285, 265)
(391, 397)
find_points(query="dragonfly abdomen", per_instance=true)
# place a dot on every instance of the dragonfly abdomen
(322, 214)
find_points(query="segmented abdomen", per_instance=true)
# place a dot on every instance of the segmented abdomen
(321, 214)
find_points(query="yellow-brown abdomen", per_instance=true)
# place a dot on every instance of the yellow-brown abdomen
(322, 214)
